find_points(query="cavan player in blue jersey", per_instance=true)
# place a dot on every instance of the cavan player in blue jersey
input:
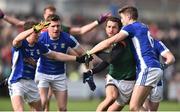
(156, 94)
(52, 73)
(50, 10)
(147, 64)
(26, 51)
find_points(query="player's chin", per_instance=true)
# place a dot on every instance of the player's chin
(55, 34)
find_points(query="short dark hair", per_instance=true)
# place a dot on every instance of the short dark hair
(50, 7)
(53, 17)
(29, 24)
(114, 19)
(130, 10)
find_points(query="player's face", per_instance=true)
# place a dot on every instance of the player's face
(112, 28)
(54, 29)
(47, 13)
(124, 19)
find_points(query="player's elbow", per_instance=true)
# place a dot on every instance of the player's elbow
(82, 31)
(20, 24)
(173, 59)
(14, 42)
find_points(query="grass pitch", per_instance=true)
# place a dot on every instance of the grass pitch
(86, 105)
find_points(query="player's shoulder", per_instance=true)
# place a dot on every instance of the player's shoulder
(68, 36)
(64, 34)
(129, 27)
(156, 41)
(43, 35)
(139, 25)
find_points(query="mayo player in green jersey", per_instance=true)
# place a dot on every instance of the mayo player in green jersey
(122, 69)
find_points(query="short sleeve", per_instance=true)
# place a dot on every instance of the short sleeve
(161, 48)
(72, 42)
(128, 30)
(43, 48)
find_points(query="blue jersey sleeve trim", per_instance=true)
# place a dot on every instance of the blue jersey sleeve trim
(164, 52)
(124, 31)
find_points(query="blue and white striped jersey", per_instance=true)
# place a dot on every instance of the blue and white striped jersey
(50, 66)
(160, 49)
(142, 45)
(24, 60)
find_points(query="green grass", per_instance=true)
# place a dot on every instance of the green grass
(86, 105)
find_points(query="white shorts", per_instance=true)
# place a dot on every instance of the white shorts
(26, 88)
(125, 89)
(57, 82)
(149, 77)
(156, 94)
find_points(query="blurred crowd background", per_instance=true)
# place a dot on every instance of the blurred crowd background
(162, 16)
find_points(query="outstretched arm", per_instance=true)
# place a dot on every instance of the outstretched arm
(65, 57)
(100, 67)
(106, 43)
(23, 35)
(79, 50)
(14, 21)
(86, 28)
(108, 58)
(10, 19)
(169, 58)
(60, 56)
(35, 29)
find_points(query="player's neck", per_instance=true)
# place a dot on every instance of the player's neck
(132, 21)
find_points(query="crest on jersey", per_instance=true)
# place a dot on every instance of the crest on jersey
(63, 45)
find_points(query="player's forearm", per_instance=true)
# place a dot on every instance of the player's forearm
(107, 43)
(13, 21)
(100, 67)
(72, 52)
(80, 50)
(77, 52)
(61, 56)
(84, 29)
(88, 27)
(170, 59)
(101, 46)
(23, 35)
